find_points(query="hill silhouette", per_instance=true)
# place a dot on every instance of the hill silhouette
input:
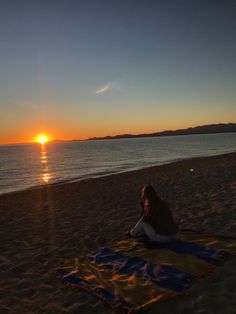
(203, 129)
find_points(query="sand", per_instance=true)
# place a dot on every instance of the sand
(42, 227)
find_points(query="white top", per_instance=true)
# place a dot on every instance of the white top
(150, 232)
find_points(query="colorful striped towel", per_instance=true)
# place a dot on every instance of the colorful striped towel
(134, 274)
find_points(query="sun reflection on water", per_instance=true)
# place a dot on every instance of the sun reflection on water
(46, 176)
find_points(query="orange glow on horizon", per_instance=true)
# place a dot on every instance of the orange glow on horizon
(42, 139)
(61, 132)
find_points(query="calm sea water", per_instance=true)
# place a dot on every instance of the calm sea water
(26, 165)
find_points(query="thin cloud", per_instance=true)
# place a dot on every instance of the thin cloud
(107, 88)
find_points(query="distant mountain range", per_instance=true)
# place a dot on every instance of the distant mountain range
(203, 129)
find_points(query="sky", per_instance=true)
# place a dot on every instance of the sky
(79, 69)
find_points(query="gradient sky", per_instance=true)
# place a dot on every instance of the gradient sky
(77, 69)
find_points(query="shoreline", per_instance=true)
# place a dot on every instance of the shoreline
(43, 227)
(75, 180)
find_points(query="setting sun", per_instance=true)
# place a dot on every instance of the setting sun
(42, 139)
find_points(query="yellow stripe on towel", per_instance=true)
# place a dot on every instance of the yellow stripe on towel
(162, 256)
(134, 290)
(226, 244)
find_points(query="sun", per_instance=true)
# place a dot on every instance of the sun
(42, 139)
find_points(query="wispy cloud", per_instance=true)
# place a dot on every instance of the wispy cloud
(107, 88)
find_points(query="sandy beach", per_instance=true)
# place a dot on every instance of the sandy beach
(42, 227)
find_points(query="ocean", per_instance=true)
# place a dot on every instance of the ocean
(24, 166)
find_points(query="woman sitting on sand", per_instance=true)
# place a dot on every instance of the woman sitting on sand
(156, 220)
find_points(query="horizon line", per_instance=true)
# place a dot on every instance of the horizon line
(124, 134)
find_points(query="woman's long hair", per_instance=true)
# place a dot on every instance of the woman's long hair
(149, 195)
(156, 212)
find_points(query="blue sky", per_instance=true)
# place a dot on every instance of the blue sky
(77, 69)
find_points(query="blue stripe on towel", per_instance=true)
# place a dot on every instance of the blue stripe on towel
(209, 254)
(164, 276)
(93, 288)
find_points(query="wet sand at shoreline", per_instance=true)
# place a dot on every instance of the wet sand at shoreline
(42, 227)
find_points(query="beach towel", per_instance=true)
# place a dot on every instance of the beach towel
(134, 274)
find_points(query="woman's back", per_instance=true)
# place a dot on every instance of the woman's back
(157, 220)
(160, 217)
